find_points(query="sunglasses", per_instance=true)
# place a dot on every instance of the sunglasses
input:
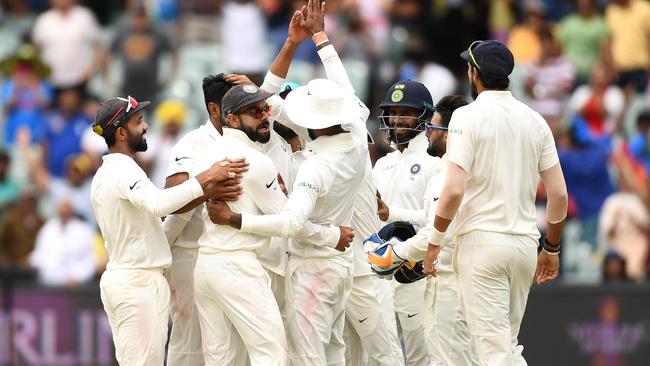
(258, 113)
(116, 119)
(430, 127)
(471, 55)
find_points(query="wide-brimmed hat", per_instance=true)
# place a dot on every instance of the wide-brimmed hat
(26, 56)
(321, 104)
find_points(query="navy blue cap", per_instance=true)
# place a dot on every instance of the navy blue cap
(408, 93)
(113, 112)
(491, 58)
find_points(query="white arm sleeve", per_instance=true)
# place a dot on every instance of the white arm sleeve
(174, 224)
(142, 193)
(271, 200)
(308, 187)
(272, 83)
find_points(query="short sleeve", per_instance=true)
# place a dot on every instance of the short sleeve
(460, 144)
(549, 157)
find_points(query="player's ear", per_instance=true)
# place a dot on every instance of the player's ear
(214, 109)
(121, 134)
(233, 121)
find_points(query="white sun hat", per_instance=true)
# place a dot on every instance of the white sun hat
(321, 104)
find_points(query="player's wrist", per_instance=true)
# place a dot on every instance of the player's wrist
(550, 248)
(235, 220)
(320, 39)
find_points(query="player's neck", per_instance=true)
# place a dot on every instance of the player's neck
(122, 149)
(216, 122)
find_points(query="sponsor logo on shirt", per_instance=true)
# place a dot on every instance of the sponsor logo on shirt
(415, 169)
(309, 186)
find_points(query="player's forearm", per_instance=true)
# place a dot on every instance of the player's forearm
(415, 217)
(319, 235)
(334, 68)
(162, 202)
(281, 63)
(557, 202)
(174, 224)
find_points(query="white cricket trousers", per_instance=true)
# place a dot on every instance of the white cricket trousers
(410, 309)
(371, 333)
(495, 272)
(137, 304)
(233, 294)
(317, 290)
(445, 326)
(185, 340)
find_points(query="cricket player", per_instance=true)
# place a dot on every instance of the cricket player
(445, 326)
(183, 230)
(497, 149)
(402, 178)
(128, 208)
(255, 316)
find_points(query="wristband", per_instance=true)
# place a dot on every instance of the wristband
(319, 38)
(557, 252)
(436, 237)
(550, 248)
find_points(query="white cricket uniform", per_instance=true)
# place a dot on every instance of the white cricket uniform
(373, 332)
(402, 179)
(183, 232)
(229, 276)
(128, 208)
(503, 145)
(444, 324)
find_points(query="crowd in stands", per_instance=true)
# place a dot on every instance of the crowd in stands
(582, 64)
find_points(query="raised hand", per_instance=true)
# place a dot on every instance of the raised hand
(296, 33)
(313, 17)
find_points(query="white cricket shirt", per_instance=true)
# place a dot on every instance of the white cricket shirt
(402, 179)
(415, 248)
(261, 195)
(183, 230)
(324, 193)
(128, 208)
(503, 145)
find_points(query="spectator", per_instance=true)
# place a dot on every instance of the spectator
(64, 254)
(170, 118)
(64, 128)
(244, 51)
(585, 167)
(524, 40)
(75, 186)
(18, 231)
(600, 103)
(8, 188)
(639, 144)
(355, 42)
(501, 19)
(614, 268)
(583, 36)
(25, 95)
(68, 37)
(141, 47)
(624, 223)
(549, 80)
(629, 24)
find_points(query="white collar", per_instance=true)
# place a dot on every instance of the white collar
(211, 130)
(494, 94)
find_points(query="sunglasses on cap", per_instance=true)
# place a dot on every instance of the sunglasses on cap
(119, 115)
(430, 127)
(257, 113)
(471, 54)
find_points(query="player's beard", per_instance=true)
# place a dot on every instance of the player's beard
(136, 141)
(437, 148)
(256, 136)
(392, 136)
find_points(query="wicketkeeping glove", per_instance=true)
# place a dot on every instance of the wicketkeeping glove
(384, 261)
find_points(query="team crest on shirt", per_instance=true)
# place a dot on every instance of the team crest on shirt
(415, 169)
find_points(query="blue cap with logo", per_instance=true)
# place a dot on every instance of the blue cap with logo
(410, 94)
(491, 58)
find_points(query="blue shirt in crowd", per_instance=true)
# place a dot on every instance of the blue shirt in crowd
(27, 113)
(63, 135)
